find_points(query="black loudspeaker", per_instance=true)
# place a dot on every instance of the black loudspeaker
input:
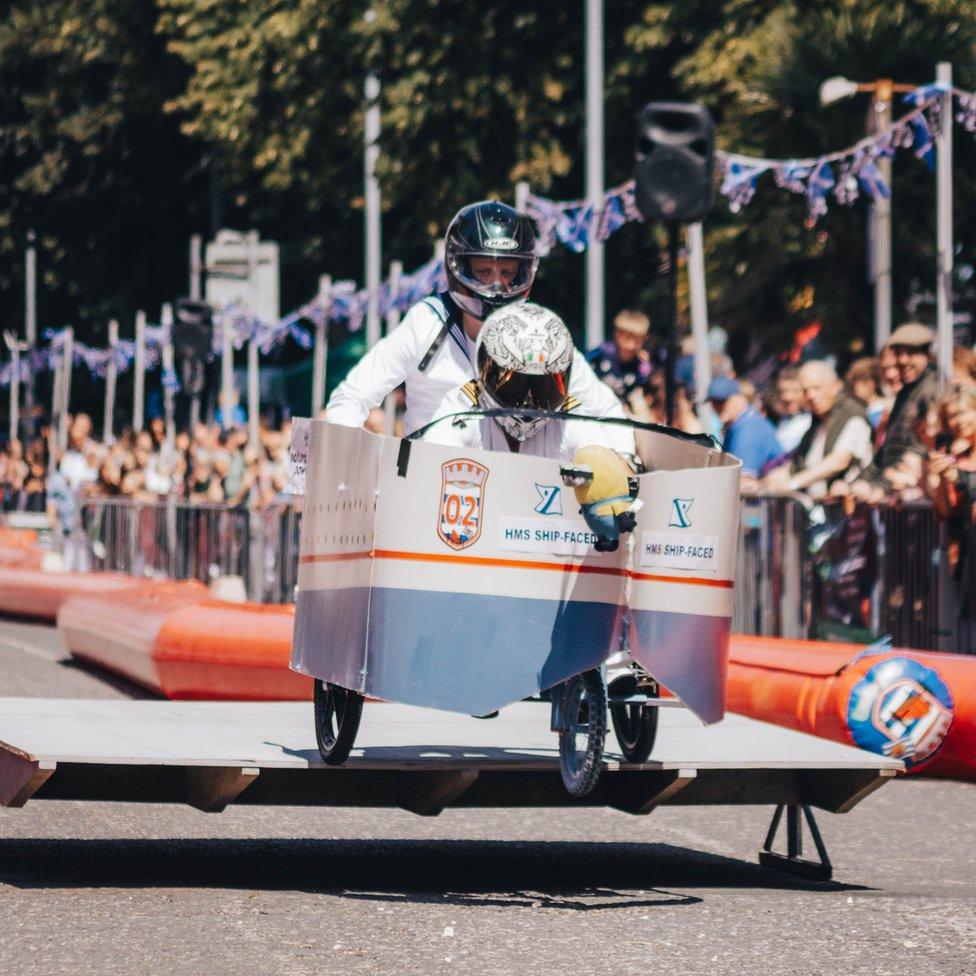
(674, 162)
(192, 342)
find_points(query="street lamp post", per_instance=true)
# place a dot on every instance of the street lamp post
(30, 315)
(879, 238)
(372, 209)
(594, 170)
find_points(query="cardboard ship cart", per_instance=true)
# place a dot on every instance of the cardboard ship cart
(467, 581)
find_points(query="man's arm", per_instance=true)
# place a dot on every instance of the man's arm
(380, 371)
(852, 443)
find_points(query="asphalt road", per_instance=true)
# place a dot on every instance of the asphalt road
(132, 889)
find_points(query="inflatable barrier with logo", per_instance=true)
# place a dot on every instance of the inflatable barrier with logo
(916, 706)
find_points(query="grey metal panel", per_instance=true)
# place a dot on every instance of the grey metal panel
(338, 521)
(330, 635)
(688, 654)
(429, 649)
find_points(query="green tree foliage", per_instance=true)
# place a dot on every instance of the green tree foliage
(473, 100)
(759, 69)
(91, 161)
(276, 87)
(111, 109)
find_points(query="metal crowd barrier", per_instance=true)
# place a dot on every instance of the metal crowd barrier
(177, 540)
(928, 593)
(827, 573)
(803, 570)
(772, 577)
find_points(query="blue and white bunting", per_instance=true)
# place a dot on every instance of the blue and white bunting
(842, 176)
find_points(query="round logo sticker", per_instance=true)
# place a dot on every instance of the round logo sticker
(902, 709)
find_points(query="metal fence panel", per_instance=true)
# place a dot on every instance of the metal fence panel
(772, 575)
(923, 596)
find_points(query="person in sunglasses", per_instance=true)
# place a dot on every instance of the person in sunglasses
(525, 359)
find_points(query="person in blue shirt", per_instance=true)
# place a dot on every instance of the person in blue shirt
(748, 434)
(622, 362)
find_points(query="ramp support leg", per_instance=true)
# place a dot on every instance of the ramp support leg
(793, 862)
(427, 793)
(210, 789)
(21, 776)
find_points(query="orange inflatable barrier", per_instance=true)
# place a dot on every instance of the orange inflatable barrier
(20, 538)
(29, 557)
(230, 651)
(918, 706)
(26, 592)
(117, 630)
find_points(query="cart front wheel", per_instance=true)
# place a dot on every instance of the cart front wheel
(337, 714)
(636, 728)
(585, 731)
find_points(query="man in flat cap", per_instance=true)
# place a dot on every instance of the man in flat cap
(897, 463)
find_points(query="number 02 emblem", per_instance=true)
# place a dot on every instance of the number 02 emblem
(462, 499)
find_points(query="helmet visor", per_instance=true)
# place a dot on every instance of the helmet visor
(494, 275)
(512, 389)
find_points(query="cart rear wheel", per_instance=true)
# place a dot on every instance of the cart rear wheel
(585, 732)
(636, 728)
(337, 714)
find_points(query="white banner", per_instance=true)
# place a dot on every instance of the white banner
(678, 550)
(558, 537)
(297, 456)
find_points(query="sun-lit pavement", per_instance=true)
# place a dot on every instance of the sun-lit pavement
(132, 889)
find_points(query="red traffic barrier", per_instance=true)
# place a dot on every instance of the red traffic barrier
(26, 592)
(917, 706)
(28, 557)
(117, 630)
(229, 651)
(19, 538)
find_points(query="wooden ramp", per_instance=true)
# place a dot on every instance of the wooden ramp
(209, 754)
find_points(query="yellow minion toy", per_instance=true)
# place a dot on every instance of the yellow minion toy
(606, 491)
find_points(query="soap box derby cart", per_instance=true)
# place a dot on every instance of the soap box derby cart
(466, 580)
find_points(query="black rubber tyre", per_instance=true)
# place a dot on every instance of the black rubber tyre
(585, 715)
(337, 715)
(635, 726)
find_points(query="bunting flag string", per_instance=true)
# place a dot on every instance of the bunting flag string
(842, 176)
(570, 222)
(343, 303)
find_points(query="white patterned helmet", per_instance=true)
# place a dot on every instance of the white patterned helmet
(524, 355)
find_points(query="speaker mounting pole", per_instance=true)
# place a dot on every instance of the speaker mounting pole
(672, 337)
(595, 284)
(674, 168)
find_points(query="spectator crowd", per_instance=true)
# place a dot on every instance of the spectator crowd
(881, 432)
(204, 466)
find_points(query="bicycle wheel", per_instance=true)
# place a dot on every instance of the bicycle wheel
(635, 726)
(585, 731)
(337, 715)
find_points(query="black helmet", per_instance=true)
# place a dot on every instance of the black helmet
(491, 230)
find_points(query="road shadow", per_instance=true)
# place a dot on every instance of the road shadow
(571, 875)
(425, 755)
(123, 685)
